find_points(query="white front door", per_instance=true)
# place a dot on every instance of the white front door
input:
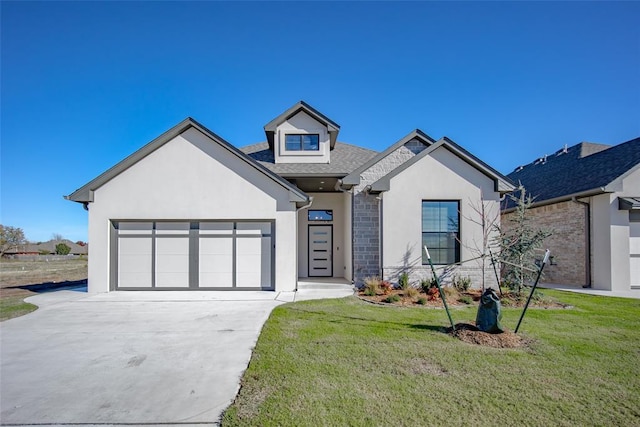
(320, 251)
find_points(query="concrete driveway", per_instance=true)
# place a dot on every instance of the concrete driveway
(129, 357)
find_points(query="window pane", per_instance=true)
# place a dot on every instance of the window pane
(293, 142)
(310, 142)
(298, 142)
(216, 228)
(440, 231)
(316, 215)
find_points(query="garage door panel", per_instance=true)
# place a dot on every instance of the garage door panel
(134, 262)
(248, 263)
(216, 263)
(172, 262)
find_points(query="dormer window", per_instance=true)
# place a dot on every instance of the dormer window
(302, 142)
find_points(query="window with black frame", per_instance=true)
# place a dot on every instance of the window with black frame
(320, 215)
(441, 231)
(302, 142)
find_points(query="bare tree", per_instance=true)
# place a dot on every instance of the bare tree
(519, 243)
(487, 216)
(10, 238)
(56, 237)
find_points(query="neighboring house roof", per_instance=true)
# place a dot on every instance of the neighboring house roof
(354, 176)
(332, 127)
(578, 171)
(344, 159)
(501, 183)
(50, 246)
(85, 193)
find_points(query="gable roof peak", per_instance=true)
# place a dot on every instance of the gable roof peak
(85, 193)
(332, 127)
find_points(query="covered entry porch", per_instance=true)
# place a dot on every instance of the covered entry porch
(324, 239)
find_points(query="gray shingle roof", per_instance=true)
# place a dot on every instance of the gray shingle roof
(344, 159)
(582, 168)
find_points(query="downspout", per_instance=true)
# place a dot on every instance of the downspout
(587, 226)
(307, 206)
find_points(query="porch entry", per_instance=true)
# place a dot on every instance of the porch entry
(320, 250)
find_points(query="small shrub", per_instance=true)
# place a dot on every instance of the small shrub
(462, 284)
(427, 284)
(370, 290)
(422, 301)
(411, 292)
(450, 292)
(392, 298)
(403, 280)
(372, 286)
(386, 287)
(465, 299)
(433, 293)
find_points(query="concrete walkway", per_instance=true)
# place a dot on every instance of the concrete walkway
(170, 358)
(581, 290)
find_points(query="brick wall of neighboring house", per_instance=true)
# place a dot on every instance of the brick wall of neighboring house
(366, 213)
(566, 220)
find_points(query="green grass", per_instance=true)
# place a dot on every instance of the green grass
(346, 362)
(14, 306)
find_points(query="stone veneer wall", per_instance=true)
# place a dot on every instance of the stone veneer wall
(366, 212)
(567, 243)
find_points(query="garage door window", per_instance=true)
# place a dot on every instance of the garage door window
(193, 255)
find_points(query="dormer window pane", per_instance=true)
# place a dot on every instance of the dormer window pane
(302, 142)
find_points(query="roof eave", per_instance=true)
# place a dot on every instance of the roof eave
(559, 199)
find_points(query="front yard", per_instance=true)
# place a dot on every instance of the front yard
(20, 279)
(348, 362)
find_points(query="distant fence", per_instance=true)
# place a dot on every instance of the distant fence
(45, 258)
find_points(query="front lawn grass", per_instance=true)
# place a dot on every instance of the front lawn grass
(347, 362)
(14, 306)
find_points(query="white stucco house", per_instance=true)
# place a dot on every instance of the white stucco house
(189, 211)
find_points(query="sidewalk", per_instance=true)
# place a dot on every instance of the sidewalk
(622, 294)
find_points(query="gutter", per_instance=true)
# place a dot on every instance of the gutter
(565, 198)
(587, 231)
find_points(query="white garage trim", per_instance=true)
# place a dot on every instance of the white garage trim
(192, 255)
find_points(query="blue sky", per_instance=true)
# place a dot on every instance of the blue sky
(84, 84)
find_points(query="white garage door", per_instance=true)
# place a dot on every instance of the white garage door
(634, 249)
(192, 255)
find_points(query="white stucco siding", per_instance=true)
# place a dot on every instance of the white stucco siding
(611, 237)
(439, 176)
(302, 123)
(190, 178)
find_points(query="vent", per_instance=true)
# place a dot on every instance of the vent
(562, 151)
(541, 160)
